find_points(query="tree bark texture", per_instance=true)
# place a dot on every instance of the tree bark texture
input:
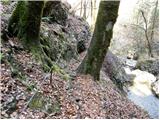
(92, 63)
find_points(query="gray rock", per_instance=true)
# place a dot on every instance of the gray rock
(56, 11)
(150, 65)
(64, 42)
(116, 69)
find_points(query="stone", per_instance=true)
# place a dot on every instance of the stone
(56, 11)
(150, 65)
(40, 102)
(64, 42)
(116, 69)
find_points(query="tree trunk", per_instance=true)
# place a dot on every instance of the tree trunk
(26, 21)
(14, 19)
(92, 63)
(30, 24)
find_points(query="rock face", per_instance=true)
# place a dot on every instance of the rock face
(56, 11)
(63, 43)
(63, 35)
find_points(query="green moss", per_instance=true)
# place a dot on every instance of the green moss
(13, 24)
(66, 77)
(30, 24)
(42, 103)
(55, 68)
(37, 102)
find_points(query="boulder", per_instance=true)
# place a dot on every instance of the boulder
(56, 11)
(143, 77)
(116, 69)
(150, 65)
(40, 102)
(63, 42)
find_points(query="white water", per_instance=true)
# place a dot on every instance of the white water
(140, 93)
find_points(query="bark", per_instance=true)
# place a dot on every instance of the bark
(30, 23)
(26, 21)
(92, 63)
(14, 19)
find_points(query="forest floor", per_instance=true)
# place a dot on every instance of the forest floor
(22, 80)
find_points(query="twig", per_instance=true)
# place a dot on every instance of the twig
(50, 115)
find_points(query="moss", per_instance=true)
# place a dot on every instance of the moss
(66, 77)
(55, 68)
(37, 102)
(41, 56)
(13, 24)
(30, 24)
(44, 104)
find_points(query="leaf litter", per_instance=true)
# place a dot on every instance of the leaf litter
(80, 97)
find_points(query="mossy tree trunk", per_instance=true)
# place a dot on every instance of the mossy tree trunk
(26, 21)
(92, 63)
(14, 19)
(30, 24)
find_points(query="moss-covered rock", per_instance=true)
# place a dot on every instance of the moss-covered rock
(42, 103)
(57, 44)
(54, 42)
(13, 24)
(56, 12)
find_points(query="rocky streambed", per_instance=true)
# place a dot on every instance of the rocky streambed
(140, 92)
(139, 85)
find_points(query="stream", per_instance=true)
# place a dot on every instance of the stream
(148, 102)
(141, 94)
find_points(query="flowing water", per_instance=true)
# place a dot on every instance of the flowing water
(141, 94)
